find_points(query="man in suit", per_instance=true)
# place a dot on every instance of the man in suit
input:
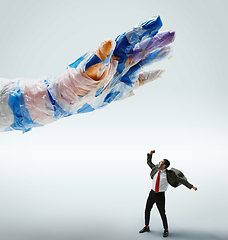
(162, 177)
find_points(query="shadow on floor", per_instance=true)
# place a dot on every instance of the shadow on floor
(108, 234)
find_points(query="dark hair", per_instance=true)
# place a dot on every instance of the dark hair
(166, 162)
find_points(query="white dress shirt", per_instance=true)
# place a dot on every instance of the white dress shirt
(163, 184)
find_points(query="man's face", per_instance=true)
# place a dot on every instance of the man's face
(161, 165)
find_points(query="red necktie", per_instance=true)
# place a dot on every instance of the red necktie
(157, 183)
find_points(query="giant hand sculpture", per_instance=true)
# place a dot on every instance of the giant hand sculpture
(93, 81)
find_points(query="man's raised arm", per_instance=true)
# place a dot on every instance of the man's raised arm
(149, 158)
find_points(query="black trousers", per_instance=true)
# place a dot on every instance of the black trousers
(159, 199)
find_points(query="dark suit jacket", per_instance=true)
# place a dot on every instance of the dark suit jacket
(174, 176)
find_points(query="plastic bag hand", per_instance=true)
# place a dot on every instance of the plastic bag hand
(94, 80)
(135, 49)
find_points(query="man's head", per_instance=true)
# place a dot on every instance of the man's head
(163, 164)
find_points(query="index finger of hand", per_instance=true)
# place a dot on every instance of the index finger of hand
(144, 48)
(126, 41)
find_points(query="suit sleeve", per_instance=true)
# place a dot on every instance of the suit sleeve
(176, 178)
(149, 160)
(185, 182)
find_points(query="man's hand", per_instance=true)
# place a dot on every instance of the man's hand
(194, 188)
(152, 151)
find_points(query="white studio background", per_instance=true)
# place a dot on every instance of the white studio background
(85, 176)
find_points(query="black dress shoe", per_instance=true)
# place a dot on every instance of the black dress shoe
(166, 233)
(145, 229)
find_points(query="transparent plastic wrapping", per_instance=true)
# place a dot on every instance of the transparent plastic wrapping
(93, 81)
